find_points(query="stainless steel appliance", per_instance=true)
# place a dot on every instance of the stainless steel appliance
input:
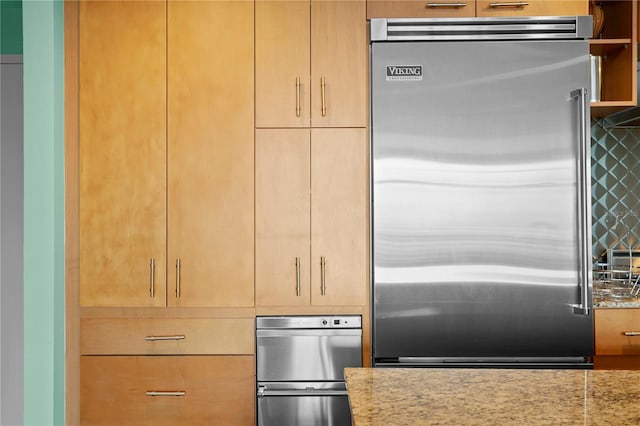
(300, 363)
(481, 192)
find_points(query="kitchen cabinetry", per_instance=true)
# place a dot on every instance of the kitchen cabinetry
(420, 9)
(311, 217)
(617, 338)
(311, 63)
(532, 8)
(122, 127)
(166, 154)
(167, 390)
(195, 381)
(617, 48)
(471, 8)
(210, 153)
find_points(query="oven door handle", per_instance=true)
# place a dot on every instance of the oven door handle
(306, 332)
(301, 392)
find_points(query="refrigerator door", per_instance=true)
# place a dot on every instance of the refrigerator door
(475, 199)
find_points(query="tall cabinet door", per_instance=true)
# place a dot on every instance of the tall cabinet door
(338, 63)
(339, 222)
(210, 153)
(122, 127)
(282, 63)
(282, 217)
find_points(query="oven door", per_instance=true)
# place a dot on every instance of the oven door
(307, 354)
(303, 404)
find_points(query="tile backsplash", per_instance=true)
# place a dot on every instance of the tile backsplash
(615, 187)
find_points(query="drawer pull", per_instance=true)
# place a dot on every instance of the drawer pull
(434, 5)
(162, 393)
(154, 338)
(632, 333)
(509, 4)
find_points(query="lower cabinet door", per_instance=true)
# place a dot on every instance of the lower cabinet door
(167, 390)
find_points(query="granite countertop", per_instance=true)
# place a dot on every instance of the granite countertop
(614, 295)
(429, 396)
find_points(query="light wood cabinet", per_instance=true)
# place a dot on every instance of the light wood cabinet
(210, 153)
(532, 8)
(420, 9)
(311, 63)
(166, 153)
(617, 47)
(471, 8)
(167, 390)
(175, 336)
(617, 338)
(122, 128)
(311, 217)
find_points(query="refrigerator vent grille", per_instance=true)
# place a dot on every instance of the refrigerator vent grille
(527, 28)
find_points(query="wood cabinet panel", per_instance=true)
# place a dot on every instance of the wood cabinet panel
(339, 222)
(122, 122)
(610, 328)
(420, 9)
(210, 153)
(311, 200)
(282, 216)
(616, 362)
(533, 8)
(282, 60)
(217, 390)
(176, 336)
(339, 54)
(314, 41)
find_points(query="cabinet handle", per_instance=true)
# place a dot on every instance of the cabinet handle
(632, 333)
(323, 287)
(324, 104)
(155, 338)
(297, 96)
(168, 393)
(509, 4)
(152, 267)
(177, 278)
(298, 276)
(435, 5)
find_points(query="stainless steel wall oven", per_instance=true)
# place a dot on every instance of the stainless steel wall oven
(300, 368)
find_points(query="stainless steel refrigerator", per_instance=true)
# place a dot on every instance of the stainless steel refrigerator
(481, 243)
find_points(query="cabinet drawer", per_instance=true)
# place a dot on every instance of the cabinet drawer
(167, 336)
(610, 328)
(420, 9)
(532, 8)
(190, 390)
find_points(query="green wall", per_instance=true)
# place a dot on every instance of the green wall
(43, 56)
(10, 27)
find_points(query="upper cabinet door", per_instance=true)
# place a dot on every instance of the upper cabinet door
(339, 219)
(339, 52)
(282, 63)
(122, 126)
(210, 153)
(533, 8)
(421, 9)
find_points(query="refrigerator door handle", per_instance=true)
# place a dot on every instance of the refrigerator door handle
(584, 196)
